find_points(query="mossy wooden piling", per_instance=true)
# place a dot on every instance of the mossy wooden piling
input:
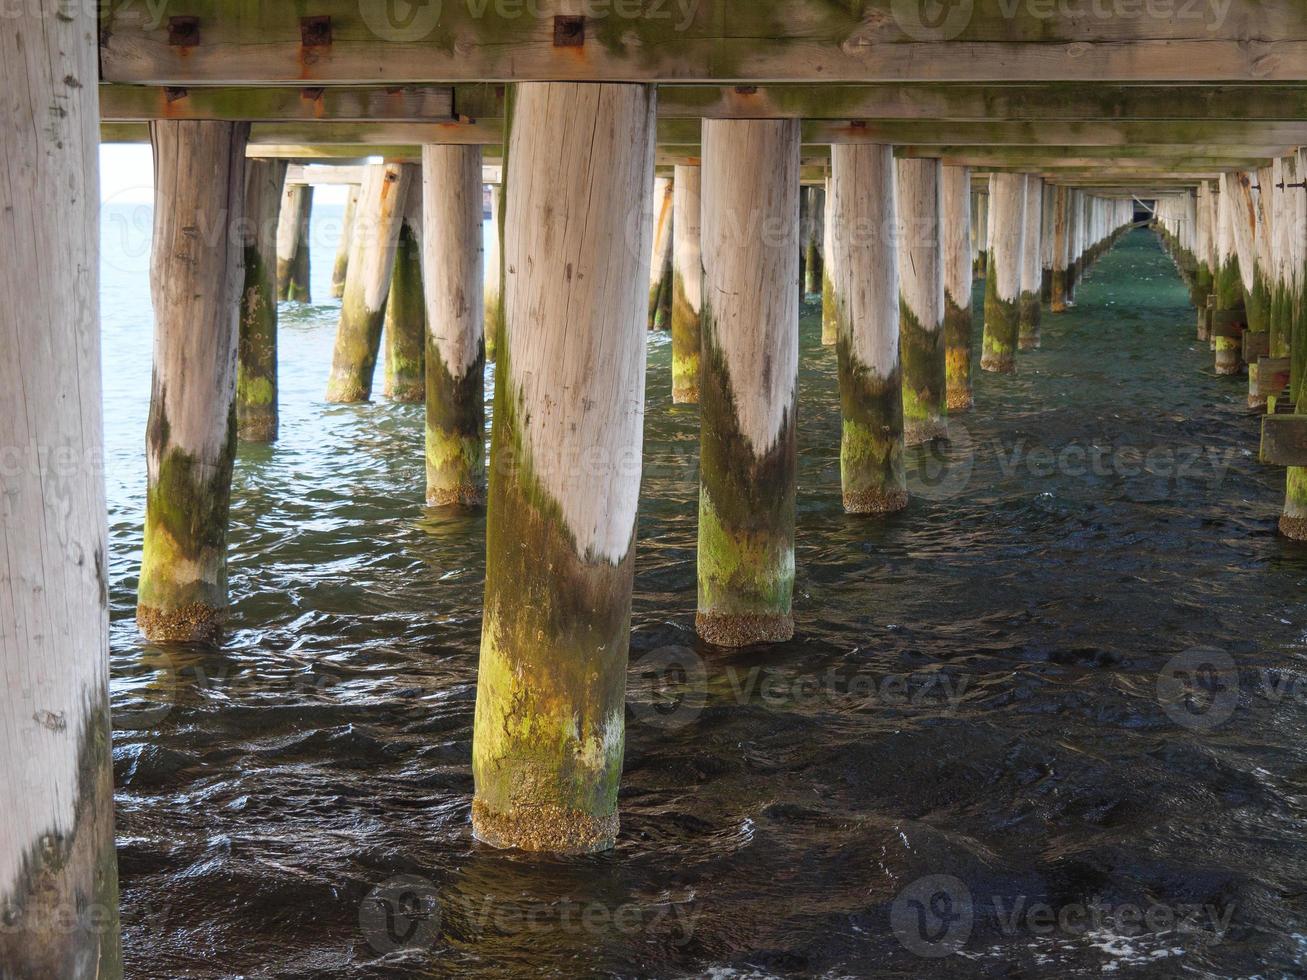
(58, 870)
(868, 310)
(453, 279)
(1029, 305)
(565, 477)
(748, 395)
(1007, 220)
(687, 282)
(382, 200)
(406, 312)
(293, 244)
(921, 301)
(660, 262)
(955, 229)
(339, 268)
(256, 369)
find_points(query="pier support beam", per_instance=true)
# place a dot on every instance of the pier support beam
(406, 311)
(367, 282)
(256, 372)
(1205, 256)
(1007, 221)
(1293, 522)
(1057, 302)
(293, 243)
(866, 292)
(58, 872)
(340, 268)
(195, 283)
(750, 376)
(660, 261)
(1031, 247)
(565, 479)
(493, 268)
(921, 302)
(955, 231)
(687, 282)
(451, 196)
(829, 316)
(1228, 310)
(814, 236)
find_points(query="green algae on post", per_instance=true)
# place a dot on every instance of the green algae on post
(921, 301)
(1007, 206)
(955, 229)
(455, 356)
(191, 433)
(687, 286)
(406, 313)
(256, 369)
(862, 194)
(564, 485)
(748, 397)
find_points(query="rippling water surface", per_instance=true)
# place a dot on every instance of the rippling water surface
(981, 688)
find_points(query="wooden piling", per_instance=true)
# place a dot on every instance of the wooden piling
(829, 314)
(382, 201)
(867, 304)
(748, 395)
(1293, 521)
(256, 369)
(955, 227)
(58, 871)
(340, 268)
(980, 236)
(687, 283)
(195, 282)
(921, 301)
(814, 231)
(493, 268)
(1031, 246)
(293, 243)
(1046, 243)
(660, 262)
(1057, 302)
(1229, 307)
(453, 280)
(406, 312)
(565, 477)
(1007, 219)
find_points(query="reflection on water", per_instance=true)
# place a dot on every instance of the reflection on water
(981, 728)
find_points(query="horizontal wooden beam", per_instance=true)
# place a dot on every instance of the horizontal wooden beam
(687, 132)
(236, 42)
(1284, 440)
(919, 101)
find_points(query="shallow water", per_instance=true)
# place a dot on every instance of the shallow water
(981, 688)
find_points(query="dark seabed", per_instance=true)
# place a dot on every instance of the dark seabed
(997, 686)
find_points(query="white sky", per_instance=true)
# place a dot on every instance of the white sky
(127, 177)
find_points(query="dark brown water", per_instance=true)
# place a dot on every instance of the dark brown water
(1048, 722)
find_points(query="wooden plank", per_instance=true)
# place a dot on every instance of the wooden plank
(922, 101)
(1284, 440)
(1198, 136)
(237, 42)
(1272, 375)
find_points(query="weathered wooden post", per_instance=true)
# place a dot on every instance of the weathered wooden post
(340, 267)
(493, 271)
(1031, 246)
(814, 235)
(980, 232)
(1256, 342)
(1280, 322)
(406, 310)
(1061, 213)
(866, 291)
(452, 277)
(921, 301)
(1007, 220)
(371, 262)
(1204, 252)
(195, 282)
(748, 394)
(293, 243)
(1046, 212)
(955, 206)
(1228, 315)
(1293, 522)
(1075, 221)
(256, 370)
(58, 871)
(687, 281)
(660, 262)
(565, 473)
(829, 315)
